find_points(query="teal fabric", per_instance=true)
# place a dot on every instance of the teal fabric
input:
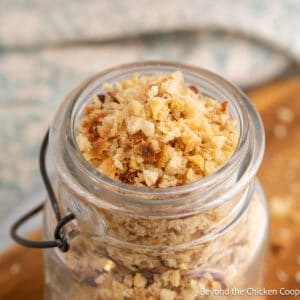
(48, 46)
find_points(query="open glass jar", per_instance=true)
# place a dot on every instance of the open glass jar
(203, 240)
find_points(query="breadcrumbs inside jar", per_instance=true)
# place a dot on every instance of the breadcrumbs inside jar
(154, 131)
(157, 162)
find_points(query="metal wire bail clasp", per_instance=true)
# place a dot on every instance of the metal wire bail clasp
(60, 238)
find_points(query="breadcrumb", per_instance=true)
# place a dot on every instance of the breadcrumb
(154, 131)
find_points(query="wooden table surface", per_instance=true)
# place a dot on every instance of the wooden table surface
(21, 276)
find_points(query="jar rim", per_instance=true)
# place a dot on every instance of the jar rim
(251, 136)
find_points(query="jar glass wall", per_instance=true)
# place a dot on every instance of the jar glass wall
(186, 242)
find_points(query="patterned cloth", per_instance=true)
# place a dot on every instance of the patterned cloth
(48, 46)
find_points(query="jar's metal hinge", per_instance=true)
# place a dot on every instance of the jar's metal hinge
(60, 238)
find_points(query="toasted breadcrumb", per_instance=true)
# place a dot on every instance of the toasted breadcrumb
(154, 131)
(111, 272)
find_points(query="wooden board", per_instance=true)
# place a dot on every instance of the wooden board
(21, 276)
(279, 106)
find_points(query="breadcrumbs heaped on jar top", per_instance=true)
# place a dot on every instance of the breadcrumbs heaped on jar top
(155, 131)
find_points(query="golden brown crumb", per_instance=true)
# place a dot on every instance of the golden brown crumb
(166, 294)
(194, 89)
(101, 98)
(224, 106)
(149, 155)
(100, 145)
(139, 281)
(136, 138)
(154, 131)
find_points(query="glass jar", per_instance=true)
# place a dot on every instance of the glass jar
(203, 240)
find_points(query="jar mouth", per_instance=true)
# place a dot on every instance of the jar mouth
(241, 166)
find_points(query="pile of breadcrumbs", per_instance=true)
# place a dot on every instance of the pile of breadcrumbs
(154, 131)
